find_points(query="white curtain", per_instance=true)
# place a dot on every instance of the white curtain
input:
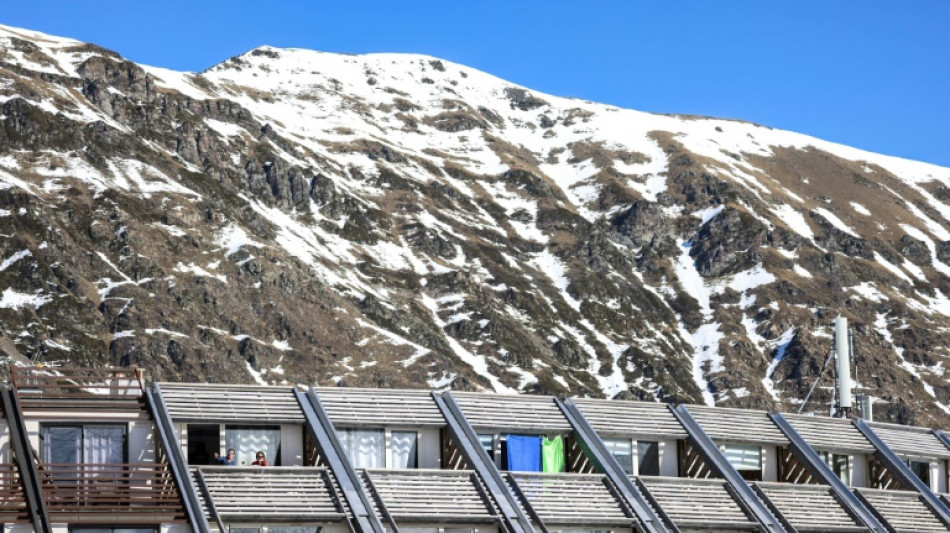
(744, 457)
(61, 444)
(247, 441)
(404, 446)
(103, 444)
(363, 447)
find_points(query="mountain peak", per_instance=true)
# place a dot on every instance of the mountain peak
(400, 220)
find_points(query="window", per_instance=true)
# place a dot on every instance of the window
(404, 446)
(622, 450)
(274, 529)
(203, 441)
(921, 469)
(488, 444)
(363, 447)
(648, 458)
(746, 459)
(112, 530)
(841, 465)
(248, 440)
(88, 444)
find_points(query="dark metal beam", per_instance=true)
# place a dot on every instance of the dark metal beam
(718, 463)
(810, 459)
(176, 459)
(605, 462)
(323, 432)
(29, 477)
(902, 472)
(467, 442)
(212, 509)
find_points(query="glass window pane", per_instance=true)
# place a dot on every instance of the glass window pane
(622, 450)
(244, 529)
(291, 529)
(921, 469)
(248, 440)
(103, 444)
(648, 458)
(744, 457)
(404, 449)
(363, 447)
(841, 468)
(488, 444)
(62, 444)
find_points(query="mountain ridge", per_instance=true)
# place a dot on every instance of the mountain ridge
(354, 222)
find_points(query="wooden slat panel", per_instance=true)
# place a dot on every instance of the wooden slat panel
(418, 496)
(145, 492)
(698, 503)
(830, 434)
(231, 403)
(380, 407)
(738, 425)
(272, 493)
(809, 507)
(911, 441)
(572, 499)
(619, 418)
(524, 413)
(904, 510)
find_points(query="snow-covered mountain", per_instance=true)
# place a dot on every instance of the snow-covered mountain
(398, 220)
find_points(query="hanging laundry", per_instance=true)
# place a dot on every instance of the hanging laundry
(552, 454)
(524, 453)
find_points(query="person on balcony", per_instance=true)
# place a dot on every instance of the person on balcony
(228, 460)
(261, 460)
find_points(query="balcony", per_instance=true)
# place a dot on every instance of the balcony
(12, 501)
(68, 387)
(110, 493)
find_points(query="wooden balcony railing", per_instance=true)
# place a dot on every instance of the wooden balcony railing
(41, 383)
(132, 492)
(12, 499)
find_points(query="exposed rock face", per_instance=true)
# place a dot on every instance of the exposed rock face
(401, 221)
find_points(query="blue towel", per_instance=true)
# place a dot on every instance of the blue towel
(524, 453)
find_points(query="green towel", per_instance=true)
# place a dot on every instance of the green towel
(552, 454)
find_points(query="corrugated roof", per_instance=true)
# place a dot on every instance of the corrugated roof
(380, 407)
(415, 496)
(509, 413)
(903, 510)
(284, 494)
(810, 507)
(620, 418)
(911, 441)
(738, 425)
(830, 434)
(698, 503)
(231, 403)
(571, 499)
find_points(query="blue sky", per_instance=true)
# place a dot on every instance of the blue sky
(871, 74)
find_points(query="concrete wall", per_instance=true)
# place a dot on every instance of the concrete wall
(859, 470)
